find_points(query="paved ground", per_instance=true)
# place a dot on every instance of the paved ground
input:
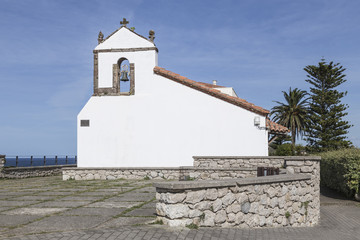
(49, 208)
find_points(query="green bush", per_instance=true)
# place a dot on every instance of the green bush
(284, 150)
(340, 170)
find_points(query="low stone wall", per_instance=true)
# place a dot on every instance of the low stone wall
(250, 161)
(272, 201)
(25, 172)
(293, 164)
(238, 161)
(170, 173)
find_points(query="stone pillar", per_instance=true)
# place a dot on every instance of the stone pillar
(132, 78)
(2, 161)
(96, 75)
(116, 82)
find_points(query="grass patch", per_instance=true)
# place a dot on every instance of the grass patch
(158, 222)
(192, 226)
(133, 208)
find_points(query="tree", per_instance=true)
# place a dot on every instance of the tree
(326, 128)
(292, 114)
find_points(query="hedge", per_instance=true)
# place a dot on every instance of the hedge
(340, 170)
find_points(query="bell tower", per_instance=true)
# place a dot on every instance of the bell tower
(121, 57)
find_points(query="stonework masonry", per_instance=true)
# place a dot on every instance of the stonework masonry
(25, 172)
(175, 173)
(272, 201)
(205, 168)
(235, 162)
(291, 199)
(292, 164)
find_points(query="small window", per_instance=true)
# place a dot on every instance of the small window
(85, 123)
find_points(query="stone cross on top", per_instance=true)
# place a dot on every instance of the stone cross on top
(124, 22)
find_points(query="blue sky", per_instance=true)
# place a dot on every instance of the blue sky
(258, 47)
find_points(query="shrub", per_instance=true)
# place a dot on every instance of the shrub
(284, 150)
(340, 170)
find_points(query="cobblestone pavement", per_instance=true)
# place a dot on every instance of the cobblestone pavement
(49, 208)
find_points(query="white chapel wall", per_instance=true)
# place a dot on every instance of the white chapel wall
(165, 126)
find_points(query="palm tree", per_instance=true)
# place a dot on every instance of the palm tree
(292, 114)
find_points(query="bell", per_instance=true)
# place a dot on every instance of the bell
(124, 76)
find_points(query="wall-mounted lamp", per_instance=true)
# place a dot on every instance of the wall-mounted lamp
(257, 121)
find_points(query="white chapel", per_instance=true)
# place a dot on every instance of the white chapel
(142, 115)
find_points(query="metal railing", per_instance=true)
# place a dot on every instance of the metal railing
(35, 161)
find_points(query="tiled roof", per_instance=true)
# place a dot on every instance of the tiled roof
(276, 128)
(211, 91)
(211, 85)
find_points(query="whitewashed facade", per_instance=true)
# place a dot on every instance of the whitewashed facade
(163, 123)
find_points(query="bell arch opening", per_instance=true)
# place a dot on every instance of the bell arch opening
(123, 77)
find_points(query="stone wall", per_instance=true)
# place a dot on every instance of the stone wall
(236, 161)
(205, 168)
(293, 164)
(179, 173)
(291, 199)
(24, 172)
(272, 201)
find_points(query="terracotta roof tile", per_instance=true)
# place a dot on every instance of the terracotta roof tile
(202, 87)
(210, 85)
(276, 128)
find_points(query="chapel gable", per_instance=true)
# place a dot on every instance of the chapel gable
(115, 60)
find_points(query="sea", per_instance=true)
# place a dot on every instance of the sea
(25, 161)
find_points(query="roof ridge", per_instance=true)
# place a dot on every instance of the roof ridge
(130, 31)
(211, 85)
(210, 91)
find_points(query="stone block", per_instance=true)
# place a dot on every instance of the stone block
(211, 194)
(233, 208)
(245, 207)
(220, 217)
(274, 202)
(242, 197)
(228, 199)
(239, 218)
(262, 221)
(306, 169)
(209, 219)
(254, 208)
(217, 205)
(231, 217)
(195, 213)
(195, 196)
(174, 211)
(271, 192)
(222, 192)
(172, 197)
(203, 205)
